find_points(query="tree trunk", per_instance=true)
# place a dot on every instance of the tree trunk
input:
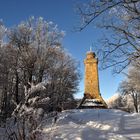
(41, 71)
(16, 90)
(136, 103)
(135, 100)
(30, 76)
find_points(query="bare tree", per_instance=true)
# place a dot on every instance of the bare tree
(63, 76)
(131, 86)
(122, 19)
(6, 77)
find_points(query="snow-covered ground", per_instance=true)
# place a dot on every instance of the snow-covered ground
(94, 124)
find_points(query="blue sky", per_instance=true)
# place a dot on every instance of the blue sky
(62, 13)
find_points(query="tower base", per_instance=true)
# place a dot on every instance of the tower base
(88, 103)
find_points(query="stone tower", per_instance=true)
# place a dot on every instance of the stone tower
(91, 76)
(92, 97)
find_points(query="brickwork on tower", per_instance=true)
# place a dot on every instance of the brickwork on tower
(91, 76)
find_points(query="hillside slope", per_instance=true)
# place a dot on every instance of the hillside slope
(93, 124)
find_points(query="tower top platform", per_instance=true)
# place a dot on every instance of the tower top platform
(90, 54)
